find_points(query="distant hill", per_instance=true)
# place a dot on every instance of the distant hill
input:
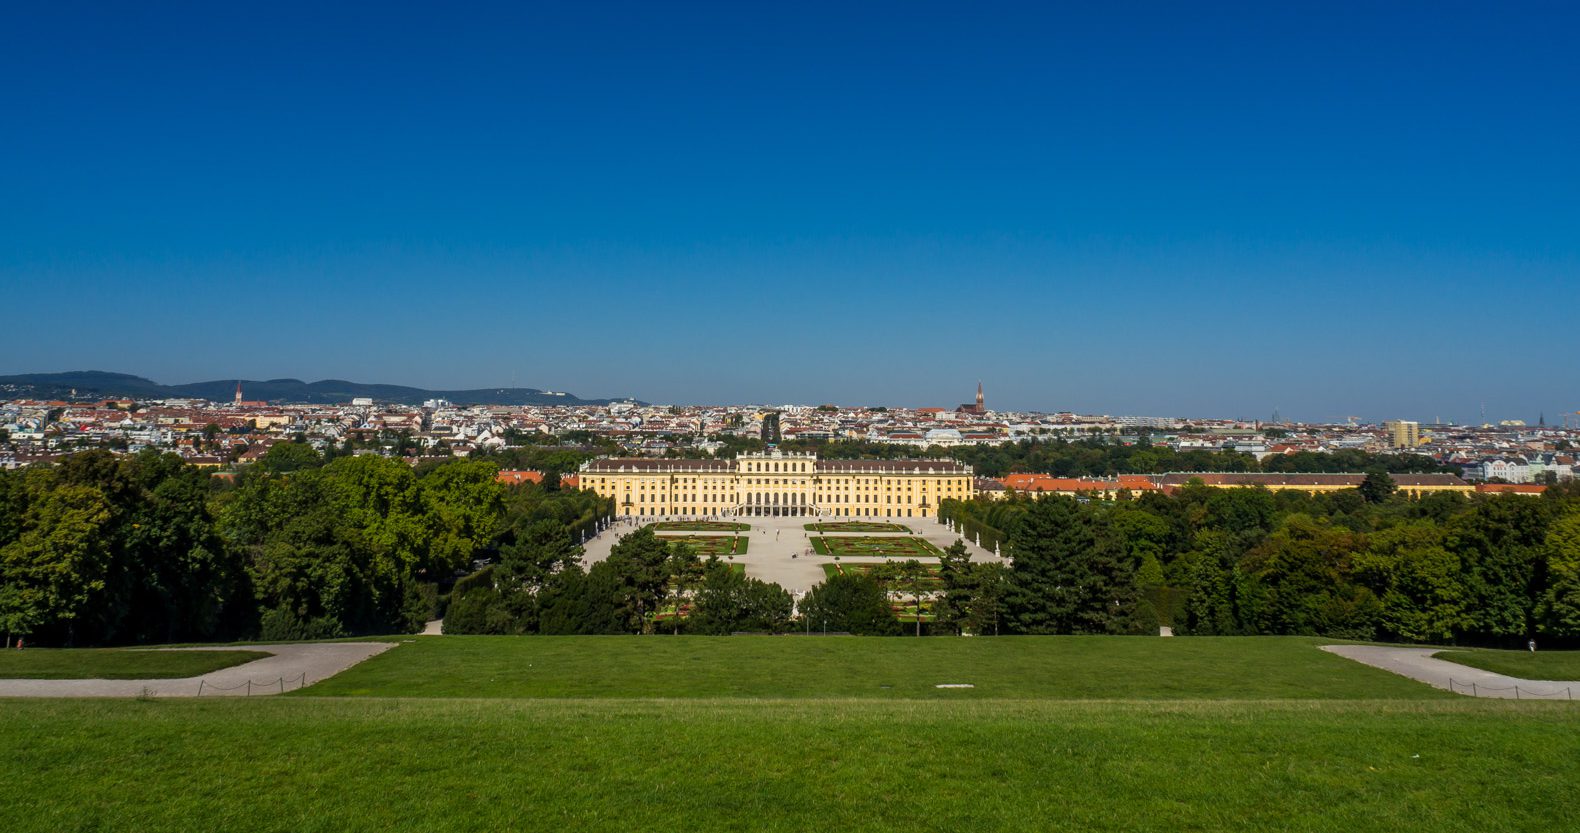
(97, 384)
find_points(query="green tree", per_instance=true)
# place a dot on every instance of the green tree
(729, 602)
(850, 603)
(1303, 571)
(1417, 581)
(1559, 610)
(640, 564)
(57, 566)
(1378, 486)
(288, 457)
(1070, 574)
(952, 607)
(991, 585)
(685, 571)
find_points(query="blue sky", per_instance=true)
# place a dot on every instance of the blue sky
(1185, 209)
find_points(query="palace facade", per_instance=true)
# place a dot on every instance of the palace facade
(778, 483)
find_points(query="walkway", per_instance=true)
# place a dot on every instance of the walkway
(1419, 664)
(284, 671)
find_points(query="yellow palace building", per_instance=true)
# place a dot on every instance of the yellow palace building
(778, 483)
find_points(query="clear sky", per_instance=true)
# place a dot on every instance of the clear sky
(1171, 208)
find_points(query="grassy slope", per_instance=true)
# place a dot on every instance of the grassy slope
(1541, 665)
(115, 663)
(798, 667)
(282, 764)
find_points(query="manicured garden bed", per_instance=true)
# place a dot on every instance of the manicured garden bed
(706, 545)
(857, 526)
(700, 526)
(857, 546)
(845, 568)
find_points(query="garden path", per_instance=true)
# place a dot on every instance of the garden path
(1419, 664)
(282, 671)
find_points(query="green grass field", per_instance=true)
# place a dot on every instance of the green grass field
(706, 545)
(856, 526)
(858, 546)
(1541, 665)
(795, 733)
(1058, 668)
(329, 766)
(115, 663)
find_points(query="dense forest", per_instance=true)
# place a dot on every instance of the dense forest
(1362, 563)
(106, 549)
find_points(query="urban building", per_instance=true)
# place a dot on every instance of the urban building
(1403, 433)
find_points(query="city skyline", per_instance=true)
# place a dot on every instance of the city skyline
(1560, 417)
(1321, 210)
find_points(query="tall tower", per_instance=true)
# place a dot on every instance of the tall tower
(238, 391)
(980, 409)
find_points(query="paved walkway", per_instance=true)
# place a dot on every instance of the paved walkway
(271, 675)
(1419, 664)
(780, 547)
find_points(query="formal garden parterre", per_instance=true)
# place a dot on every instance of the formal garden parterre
(706, 545)
(885, 547)
(857, 526)
(700, 526)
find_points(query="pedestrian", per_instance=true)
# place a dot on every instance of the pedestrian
(1532, 645)
(19, 643)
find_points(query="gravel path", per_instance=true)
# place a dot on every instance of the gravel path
(1419, 664)
(271, 675)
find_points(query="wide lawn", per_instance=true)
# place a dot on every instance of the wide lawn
(115, 663)
(1541, 665)
(308, 765)
(857, 546)
(1051, 667)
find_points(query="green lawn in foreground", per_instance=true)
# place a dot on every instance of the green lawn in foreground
(1050, 667)
(338, 766)
(115, 663)
(1541, 665)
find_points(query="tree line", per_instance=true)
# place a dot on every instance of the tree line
(107, 549)
(1363, 563)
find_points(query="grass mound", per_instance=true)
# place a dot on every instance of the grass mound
(115, 663)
